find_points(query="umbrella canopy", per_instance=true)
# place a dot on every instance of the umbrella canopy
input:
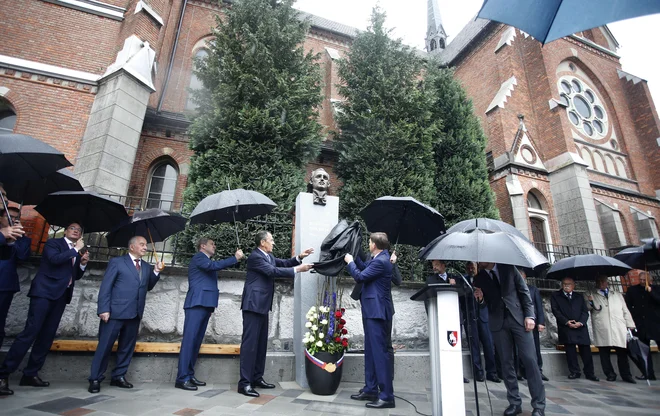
(404, 219)
(24, 158)
(94, 212)
(587, 267)
(548, 20)
(153, 224)
(34, 191)
(486, 224)
(638, 352)
(645, 257)
(230, 206)
(484, 246)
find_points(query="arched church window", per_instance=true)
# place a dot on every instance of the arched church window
(433, 45)
(533, 201)
(7, 118)
(442, 43)
(162, 186)
(195, 82)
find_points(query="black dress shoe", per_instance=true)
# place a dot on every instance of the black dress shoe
(544, 378)
(652, 378)
(196, 382)
(263, 385)
(4, 387)
(573, 376)
(538, 412)
(365, 396)
(33, 381)
(512, 410)
(121, 382)
(629, 379)
(186, 385)
(520, 377)
(481, 378)
(611, 377)
(381, 404)
(592, 377)
(248, 391)
(465, 380)
(94, 386)
(640, 377)
(494, 379)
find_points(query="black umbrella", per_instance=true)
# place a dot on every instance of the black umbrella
(587, 267)
(153, 224)
(484, 246)
(34, 191)
(231, 206)
(644, 257)
(638, 352)
(548, 20)
(24, 158)
(486, 224)
(92, 211)
(404, 219)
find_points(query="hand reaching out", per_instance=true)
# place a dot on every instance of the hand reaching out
(348, 258)
(306, 253)
(239, 254)
(393, 257)
(303, 267)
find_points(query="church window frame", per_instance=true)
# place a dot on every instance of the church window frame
(584, 107)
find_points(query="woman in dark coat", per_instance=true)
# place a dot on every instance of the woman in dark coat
(571, 312)
(644, 304)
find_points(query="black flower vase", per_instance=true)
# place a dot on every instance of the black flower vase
(322, 382)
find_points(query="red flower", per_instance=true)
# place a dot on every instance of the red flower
(337, 339)
(337, 314)
(344, 331)
(343, 322)
(344, 343)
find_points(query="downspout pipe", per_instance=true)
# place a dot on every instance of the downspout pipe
(169, 68)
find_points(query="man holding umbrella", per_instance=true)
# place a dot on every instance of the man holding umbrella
(201, 301)
(62, 263)
(643, 301)
(501, 288)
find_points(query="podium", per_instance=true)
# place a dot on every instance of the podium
(442, 308)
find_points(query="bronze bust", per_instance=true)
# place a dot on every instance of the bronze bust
(318, 185)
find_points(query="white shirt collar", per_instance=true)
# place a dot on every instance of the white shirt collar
(265, 254)
(69, 242)
(133, 258)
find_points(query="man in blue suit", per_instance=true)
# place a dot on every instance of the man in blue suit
(257, 301)
(120, 306)
(62, 263)
(11, 249)
(377, 311)
(201, 301)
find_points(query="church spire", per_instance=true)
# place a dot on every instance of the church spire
(436, 38)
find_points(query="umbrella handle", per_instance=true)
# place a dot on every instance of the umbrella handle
(153, 246)
(4, 206)
(238, 242)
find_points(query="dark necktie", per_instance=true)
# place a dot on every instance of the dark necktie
(137, 266)
(496, 280)
(569, 296)
(606, 293)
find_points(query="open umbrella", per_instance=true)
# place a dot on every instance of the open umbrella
(153, 224)
(231, 206)
(404, 219)
(547, 20)
(92, 211)
(486, 224)
(644, 257)
(484, 246)
(586, 267)
(34, 191)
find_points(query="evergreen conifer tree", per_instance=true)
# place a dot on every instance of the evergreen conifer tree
(256, 126)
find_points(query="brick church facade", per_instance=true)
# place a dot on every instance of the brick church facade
(573, 140)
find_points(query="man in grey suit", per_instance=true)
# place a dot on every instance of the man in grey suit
(503, 291)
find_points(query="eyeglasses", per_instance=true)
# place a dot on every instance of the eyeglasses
(75, 229)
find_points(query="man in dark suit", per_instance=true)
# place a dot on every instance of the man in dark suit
(572, 315)
(257, 301)
(62, 263)
(376, 303)
(540, 327)
(11, 250)
(644, 305)
(122, 297)
(201, 301)
(479, 333)
(511, 317)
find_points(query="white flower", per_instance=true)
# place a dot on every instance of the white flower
(307, 334)
(314, 328)
(324, 322)
(312, 309)
(316, 316)
(308, 325)
(319, 344)
(321, 335)
(305, 340)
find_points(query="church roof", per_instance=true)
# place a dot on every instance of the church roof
(464, 38)
(329, 25)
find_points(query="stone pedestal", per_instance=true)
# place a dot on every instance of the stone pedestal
(313, 223)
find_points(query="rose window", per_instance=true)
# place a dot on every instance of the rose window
(584, 108)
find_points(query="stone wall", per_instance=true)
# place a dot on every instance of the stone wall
(164, 317)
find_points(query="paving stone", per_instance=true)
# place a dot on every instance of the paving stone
(210, 393)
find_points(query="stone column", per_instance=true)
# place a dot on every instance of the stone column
(313, 223)
(109, 145)
(574, 202)
(518, 204)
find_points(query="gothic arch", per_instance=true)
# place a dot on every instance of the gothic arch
(609, 165)
(586, 155)
(599, 162)
(621, 167)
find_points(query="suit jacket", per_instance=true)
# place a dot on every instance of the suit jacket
(566, 310)
(513, 295)
(645, 310)
(203, 280)
(9, 254)
(123, 291)
(535, 294)
(56, 270)
(260, 280)
(475, 311)
(376, 276)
